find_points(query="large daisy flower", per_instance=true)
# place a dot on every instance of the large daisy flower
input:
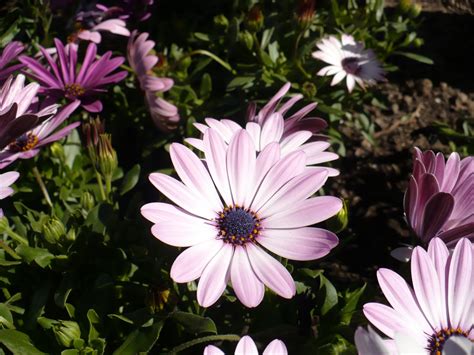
(234, 209)
(440, 305)
(295, 133)
(348, 59)
(246, 346)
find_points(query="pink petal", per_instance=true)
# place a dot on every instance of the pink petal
(276, 347)
(212, 350)
(8, 178)
(272, 130)
(386, 319)
(95, 106)
(183, 232)
(214, 279)
(265, 160)
(271, 272)
(305, 213)
(247, 286)
(194, 175)
(402, 299)
(298, 244)
(246, 346)
(284, 170)
(425, 280)
(240, 161)
(5, 192)
(180, 194)
(451, 172)
(190, 264)
(437, 211)
(215, 152)
(299, 188)
(460, 285)
(157, 212)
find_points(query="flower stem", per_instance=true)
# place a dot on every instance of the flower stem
(42, 186)
(101, 186)
(228, 337)
(9, 250)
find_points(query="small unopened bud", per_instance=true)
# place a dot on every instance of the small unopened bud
(71, 235)
(54, 230)
(57, 151)
(87, 201)
(309, 89)
(157, 299)
(305, 13)
(415, 10)
(92, 131)
(107, 156)
(405, 5)
(221, 21)
(3, 222)
(339, 222)
(245, 37)
(254, 19)
(66, 332)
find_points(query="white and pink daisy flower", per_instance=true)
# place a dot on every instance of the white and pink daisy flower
(6, 180)
(438, 308)
(296, 133)
(246, 346)
(233, 209)
(348, 59)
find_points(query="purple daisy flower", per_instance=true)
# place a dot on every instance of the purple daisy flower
(28, 144)
(233, 208)
(17, 115)
(61, 78)
(439, 200)
(10, 53)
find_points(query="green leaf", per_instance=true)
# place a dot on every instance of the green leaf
(17, 342)
(195, 324)
(6, 318)
(352, 299)
(130, 179)
(206, 86)
(93, 318)
(331, 295)
(41, 256)
(140, 340)
(417, 57)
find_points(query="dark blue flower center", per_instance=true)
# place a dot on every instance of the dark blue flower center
(238, 225)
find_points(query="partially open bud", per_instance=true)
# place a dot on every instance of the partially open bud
(57, 150)
(54, 230)
(107, 157)
(221, 21)
(305, 13)
(157, 298)
(254, 19)
(66, 332)
(87, 201)
(92, 130)
(339, 222)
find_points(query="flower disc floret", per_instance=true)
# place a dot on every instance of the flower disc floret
(237, 225)
(24, 143)
(438, 339)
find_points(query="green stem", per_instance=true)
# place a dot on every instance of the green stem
(228, 337)
(42, 186)
(302, 70)
(297, 43)
(258, 48)
(207, 54)
(108, 186)
(101, 186)
(9, 250)
(16, 236)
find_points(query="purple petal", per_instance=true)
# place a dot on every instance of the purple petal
(272, 130)
(93, 107)
(212, 350)
(246, 346)
(157, 212)
(184, 232)
(386, 319)
(276, 347)
(59, 134)
(436, 213)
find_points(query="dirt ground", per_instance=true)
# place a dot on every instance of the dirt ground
(374, 177)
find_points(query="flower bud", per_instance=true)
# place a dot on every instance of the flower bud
(254, 19)
(339, 222)
(3, 222)
(415, 10)
(221, 21)
(157, 298)
(71, 235)
(245, 37)
(107, 157)
(57, 151)
(92, 130)
(305, 13)
(66, 332)
(87, 201)
(54, 230)
(309, 89)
